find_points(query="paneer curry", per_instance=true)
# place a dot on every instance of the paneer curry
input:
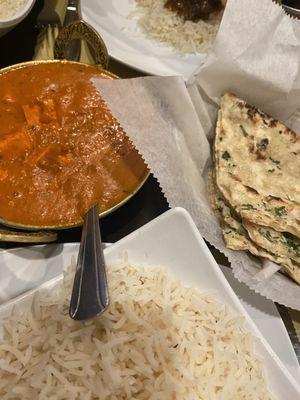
(61, 150)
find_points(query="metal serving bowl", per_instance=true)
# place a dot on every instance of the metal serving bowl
(75, 30)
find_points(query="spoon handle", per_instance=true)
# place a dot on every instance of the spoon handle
(73, 14)
(90, 293)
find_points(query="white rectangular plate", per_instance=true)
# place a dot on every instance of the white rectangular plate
(24, 269)
(173, 241)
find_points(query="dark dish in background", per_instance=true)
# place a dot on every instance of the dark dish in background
(193, 10)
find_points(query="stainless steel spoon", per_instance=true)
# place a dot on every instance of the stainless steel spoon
(90, 293)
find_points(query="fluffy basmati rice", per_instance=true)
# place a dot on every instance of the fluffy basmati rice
(167, 27)
(157, 341)
(8, 8)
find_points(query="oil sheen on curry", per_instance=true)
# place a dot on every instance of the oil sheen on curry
(61, 150)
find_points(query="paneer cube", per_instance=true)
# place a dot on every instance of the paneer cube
(14, 144)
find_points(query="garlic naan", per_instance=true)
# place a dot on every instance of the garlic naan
(257, 150)
(280, 244)
(233, 149)
(222, 210)
(238, 241)
(261, 210)
(236, 237)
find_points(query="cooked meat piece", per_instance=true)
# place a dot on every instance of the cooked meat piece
(193, 10)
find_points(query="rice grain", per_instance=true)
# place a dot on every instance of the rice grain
(179, 344)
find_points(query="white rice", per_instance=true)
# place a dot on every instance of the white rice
(158, 341)
(8, 8)
(167, 27)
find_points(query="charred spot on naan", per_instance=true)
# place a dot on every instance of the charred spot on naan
(257, 115)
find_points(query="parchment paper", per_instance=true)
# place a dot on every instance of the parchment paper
(256, 56)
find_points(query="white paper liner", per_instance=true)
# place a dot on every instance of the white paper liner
(257, 56)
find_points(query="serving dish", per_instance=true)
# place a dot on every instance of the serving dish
(185, 253)
(25, 269)
(275, 330)
(9, 23)
(129, 45)
(78, 29)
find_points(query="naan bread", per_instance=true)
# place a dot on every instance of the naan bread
(223, 212)
(233, 150)
(236, 237)
(261, 210)
(282, 245)
(238, 241)
(257, 150)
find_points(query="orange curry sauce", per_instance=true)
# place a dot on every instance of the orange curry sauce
(61, 150)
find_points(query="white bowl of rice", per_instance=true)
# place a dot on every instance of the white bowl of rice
(174, 330)
(12, 12)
